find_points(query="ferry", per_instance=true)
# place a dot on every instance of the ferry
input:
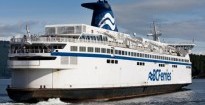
(79, 62)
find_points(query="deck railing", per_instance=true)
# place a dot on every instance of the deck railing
(61, 40)
(45, 40)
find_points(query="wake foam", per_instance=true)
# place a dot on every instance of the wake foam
(52, 101)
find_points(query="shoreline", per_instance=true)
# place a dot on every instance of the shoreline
(199, 76)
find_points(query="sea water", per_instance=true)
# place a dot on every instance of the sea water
(194, 96)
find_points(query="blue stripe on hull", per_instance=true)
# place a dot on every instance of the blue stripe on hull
(115, 57)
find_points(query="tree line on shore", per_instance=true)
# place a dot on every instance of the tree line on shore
(198, 65)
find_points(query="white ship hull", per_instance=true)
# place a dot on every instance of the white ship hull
(80, 71)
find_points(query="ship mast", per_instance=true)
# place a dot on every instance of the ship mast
(28, 31)
(155, 33)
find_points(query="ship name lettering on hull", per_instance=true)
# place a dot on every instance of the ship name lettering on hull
(158, 75)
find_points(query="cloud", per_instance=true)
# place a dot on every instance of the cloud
(8, 30)
(177, 18)
(186, 29)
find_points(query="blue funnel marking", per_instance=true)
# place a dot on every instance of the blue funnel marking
(102, 15)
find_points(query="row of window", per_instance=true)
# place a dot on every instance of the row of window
(34, 48)
(174, 66)
(141, 63)
(121, 52)
(95, 38)
(112, 61)
(161, 65)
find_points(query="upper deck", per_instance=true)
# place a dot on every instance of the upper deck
(81, 33)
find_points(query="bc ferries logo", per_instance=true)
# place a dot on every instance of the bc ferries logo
(158, 75)
(107, 20)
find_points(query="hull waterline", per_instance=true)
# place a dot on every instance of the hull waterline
(79, 95)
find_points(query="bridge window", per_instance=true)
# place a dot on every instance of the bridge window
(82, 49)
(132, 54)
(120, 52)
(135, 54)
(138, 54)
(97, 50)
(123, 52)
(128, 53)
(103, 50)
(73, 48)
(90, 49)
(116, 52)
(108, 51)
(151, 56)
(141, 55)
(112, 51)
(146, 56)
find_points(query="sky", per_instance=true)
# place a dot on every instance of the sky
(178, 20)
